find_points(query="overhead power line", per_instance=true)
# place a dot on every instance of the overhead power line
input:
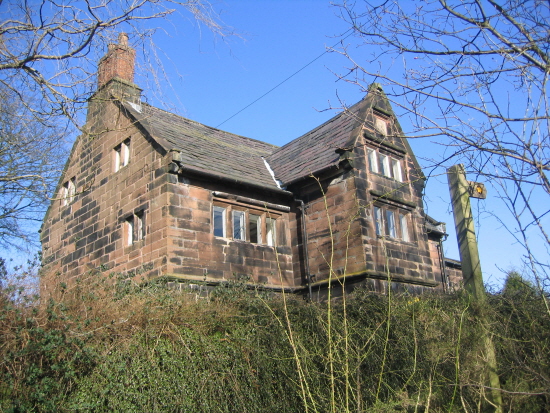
(284, 81)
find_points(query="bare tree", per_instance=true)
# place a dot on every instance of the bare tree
(48, 62)
(475, 76)
(50, 49)
(31, 159)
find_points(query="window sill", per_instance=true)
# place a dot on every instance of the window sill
(383, 237)
(386, 177)
(134, 246)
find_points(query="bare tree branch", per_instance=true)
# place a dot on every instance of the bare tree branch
(475, 76)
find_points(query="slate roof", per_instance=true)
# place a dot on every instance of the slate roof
(316, 150)
(211, 150)
(205, 148)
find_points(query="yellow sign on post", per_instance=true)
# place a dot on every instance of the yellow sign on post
(477, 190)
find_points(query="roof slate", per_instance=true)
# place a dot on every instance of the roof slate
(207, 149)
(215, 151)
(316, 149)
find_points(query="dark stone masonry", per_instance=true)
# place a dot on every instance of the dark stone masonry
(146, 194)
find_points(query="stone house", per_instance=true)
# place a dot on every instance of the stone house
(146, 194)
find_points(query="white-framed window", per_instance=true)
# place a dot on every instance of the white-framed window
(255, 228)
(373, 161)
(397, 174)
(391, 231)
(385, 165)
(239, 228)
(130, 230)
(219, 221)
(404, 224)
(378, 221)
(121, 155)
(392, 224)
(68, 191)
(135, 228)
(244, 224)
(271, 232)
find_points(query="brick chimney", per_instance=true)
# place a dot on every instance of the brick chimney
(118, 63)
(115, 81)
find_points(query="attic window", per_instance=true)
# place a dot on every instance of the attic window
(121, 155)
(68, 191)
(381, 125)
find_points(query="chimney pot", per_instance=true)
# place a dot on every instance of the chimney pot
(118, 62)
(123, 39)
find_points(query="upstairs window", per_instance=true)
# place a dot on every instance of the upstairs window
(121, 155)
(135, 228)
(385, 165)
(391, 223)
(373, 162)
(397, 173)
(68, 191)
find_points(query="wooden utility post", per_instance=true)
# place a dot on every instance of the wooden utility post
(461, 191)
(465, 231)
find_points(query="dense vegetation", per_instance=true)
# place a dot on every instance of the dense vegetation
(101, 346)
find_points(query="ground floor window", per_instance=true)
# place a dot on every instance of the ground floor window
(239, 226)
(271, 235)
(255, 228)
(219, 221)
(245, 224)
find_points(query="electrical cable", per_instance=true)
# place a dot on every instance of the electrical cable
(284, 81)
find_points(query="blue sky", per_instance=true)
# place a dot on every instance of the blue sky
(211, 79)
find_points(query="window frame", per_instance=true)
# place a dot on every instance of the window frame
(391, 229)
(271, 231)
(404, 223)
(392, 223)
(68, 191)
(396, 169)
(238, 223)
(263, 222)
(121, 155)
(386, 165)
(381, 124)
(134, 228)
(372, 156)
(223, 228)
(378, 221)
(258, 227)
